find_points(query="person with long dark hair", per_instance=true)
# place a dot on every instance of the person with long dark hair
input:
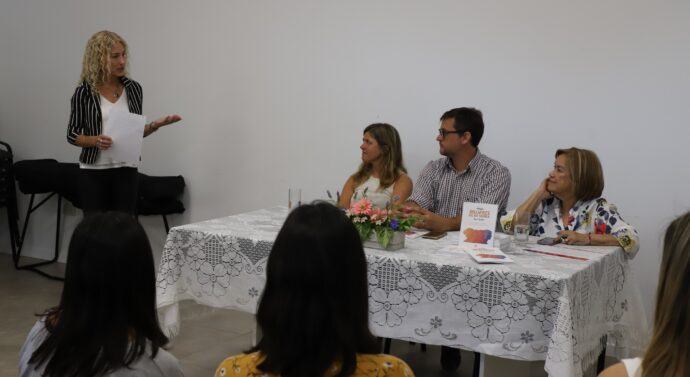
(314, 311)
(106, 322)
(668, 353)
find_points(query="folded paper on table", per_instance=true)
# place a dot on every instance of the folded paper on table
(487, 254)
(557, 252)
(127, 133)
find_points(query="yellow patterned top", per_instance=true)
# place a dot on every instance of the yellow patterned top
(367, 366)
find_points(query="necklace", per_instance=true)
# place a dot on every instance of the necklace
(115, 89)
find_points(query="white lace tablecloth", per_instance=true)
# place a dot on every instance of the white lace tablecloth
(538, 308)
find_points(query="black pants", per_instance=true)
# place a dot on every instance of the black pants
(109, 190)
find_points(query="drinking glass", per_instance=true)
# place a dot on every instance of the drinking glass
(521, 228)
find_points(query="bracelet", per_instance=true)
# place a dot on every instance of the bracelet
(589, 236)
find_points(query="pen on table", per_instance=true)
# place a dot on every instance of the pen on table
(555, 254)
(328, 192)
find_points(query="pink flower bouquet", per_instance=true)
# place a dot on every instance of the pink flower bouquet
(381, 221)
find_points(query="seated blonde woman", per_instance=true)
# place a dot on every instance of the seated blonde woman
(381, 176)
(568, 205)
(667, 354)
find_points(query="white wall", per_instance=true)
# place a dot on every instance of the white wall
(275, 94)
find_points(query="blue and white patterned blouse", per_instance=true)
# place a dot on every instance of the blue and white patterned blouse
(596, 216)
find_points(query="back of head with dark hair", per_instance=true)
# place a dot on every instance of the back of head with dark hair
(314, 308)
(467, 119)
(667, 353)
(107, 310)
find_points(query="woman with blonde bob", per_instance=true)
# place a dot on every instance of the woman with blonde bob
(568, 205)
(381, 176)
(104, 88)
(668, 354)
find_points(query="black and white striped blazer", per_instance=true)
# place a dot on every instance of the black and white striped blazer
(85, 117)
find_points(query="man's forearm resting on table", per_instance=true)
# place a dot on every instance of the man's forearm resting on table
(441, 224)
(430, 220)
(452, 223)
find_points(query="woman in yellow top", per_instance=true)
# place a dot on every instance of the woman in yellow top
(314, 311)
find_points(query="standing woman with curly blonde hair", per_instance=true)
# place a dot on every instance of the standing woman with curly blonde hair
(106, 184)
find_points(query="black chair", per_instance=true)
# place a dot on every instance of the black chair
(601, 360)
(157, 196)
(41, 177)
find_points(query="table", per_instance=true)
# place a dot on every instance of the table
(540, 307)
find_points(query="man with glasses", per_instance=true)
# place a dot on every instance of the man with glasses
(463, 175)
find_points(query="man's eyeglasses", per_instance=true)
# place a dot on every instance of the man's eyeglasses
(443, 133)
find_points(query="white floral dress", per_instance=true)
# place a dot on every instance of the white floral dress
(596, 216)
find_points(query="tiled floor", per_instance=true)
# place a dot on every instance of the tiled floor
(206, 336)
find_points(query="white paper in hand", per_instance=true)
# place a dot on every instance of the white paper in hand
(127, 132)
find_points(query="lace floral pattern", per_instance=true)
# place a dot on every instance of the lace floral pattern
(537, 308)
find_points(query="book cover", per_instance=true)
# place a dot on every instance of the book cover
(478, 226)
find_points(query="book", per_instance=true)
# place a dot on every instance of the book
(478, 226)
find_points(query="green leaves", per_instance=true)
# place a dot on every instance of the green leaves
(384, 235)
(364, 229)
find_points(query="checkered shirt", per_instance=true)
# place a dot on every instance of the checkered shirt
(442, 189)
